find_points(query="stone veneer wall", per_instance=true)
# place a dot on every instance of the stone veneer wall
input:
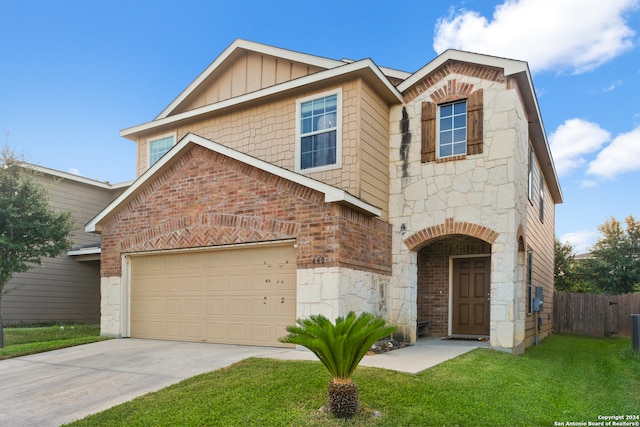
(482, 191)
(111, 306)
(334, 291)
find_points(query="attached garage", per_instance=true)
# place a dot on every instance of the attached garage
(207, 246)
(236, 295)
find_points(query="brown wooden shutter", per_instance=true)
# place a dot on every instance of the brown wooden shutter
(474, 123)
(428, 132)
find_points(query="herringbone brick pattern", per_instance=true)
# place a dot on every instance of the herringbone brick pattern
(206, 199)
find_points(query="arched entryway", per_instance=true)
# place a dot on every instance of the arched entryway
(454, 279)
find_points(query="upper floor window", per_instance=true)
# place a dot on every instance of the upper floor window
(159, 146)
(530, 281)
(531, 163)
(452, 129)
(318, 127)
(541, 198)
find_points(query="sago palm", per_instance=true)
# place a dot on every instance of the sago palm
(340, 348)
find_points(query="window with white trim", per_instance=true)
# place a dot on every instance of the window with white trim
(452, 129)
(531, 174)
(318, 141)
(159, 146)
(530, 281)
(541, 198)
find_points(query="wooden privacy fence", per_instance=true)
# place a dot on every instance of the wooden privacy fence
(594, 314)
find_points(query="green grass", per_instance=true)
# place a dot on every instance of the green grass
(566, 378)
(22, 341)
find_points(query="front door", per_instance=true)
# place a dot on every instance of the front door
(471, 291)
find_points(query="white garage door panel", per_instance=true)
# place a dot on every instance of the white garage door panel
(238, 296)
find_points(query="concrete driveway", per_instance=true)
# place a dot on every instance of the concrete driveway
(57, 387)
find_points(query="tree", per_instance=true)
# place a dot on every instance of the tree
(615, 265)
(29, 227)
(563, 266)
(340, 348)
(571, 274)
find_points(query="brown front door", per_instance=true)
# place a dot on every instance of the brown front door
(471, 287)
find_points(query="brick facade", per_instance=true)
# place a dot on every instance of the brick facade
(445, 71)
(206, 199)
(450, 227)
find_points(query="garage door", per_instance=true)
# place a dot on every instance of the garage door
(245, 295)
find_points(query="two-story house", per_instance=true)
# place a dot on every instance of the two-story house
(280, 184)
(65, 288)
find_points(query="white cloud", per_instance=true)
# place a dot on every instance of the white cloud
(581, 241)
(74, 171)
(575, 35)
(622, 155)
(613, 86)
(573, 140)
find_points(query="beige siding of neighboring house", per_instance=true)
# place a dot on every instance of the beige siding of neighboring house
(540, 237)
(245, 73)
(62, 288)
(267, 131)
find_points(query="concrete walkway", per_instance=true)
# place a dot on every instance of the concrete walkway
(426, 353)
(57, 387)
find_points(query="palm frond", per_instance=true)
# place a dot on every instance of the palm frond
(340, 346)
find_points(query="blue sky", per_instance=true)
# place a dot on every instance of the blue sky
(74, 73)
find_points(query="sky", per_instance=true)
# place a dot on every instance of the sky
(73, 73)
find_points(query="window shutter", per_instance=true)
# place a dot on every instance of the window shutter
(428, 151)
(474, 123)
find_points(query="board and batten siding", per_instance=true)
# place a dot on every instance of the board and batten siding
(374, 149)
(62, 289)
(245, 73)
(540, 236)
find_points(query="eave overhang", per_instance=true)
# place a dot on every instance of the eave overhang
(365, 69)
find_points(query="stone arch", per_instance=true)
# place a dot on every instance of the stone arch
(421, 238)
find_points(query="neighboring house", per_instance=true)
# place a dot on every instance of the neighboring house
(65, 288)
(279, 185)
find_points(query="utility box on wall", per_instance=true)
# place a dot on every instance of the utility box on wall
(538, 301)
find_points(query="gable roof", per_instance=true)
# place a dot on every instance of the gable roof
(331, 193)
(378, 78)
(520, 71)
(334, 71)
(239, 45)
(77, 178)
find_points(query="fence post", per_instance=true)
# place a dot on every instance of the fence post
(635, 332)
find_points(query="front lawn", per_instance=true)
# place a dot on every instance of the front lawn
(22, 341)
(565, 379)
